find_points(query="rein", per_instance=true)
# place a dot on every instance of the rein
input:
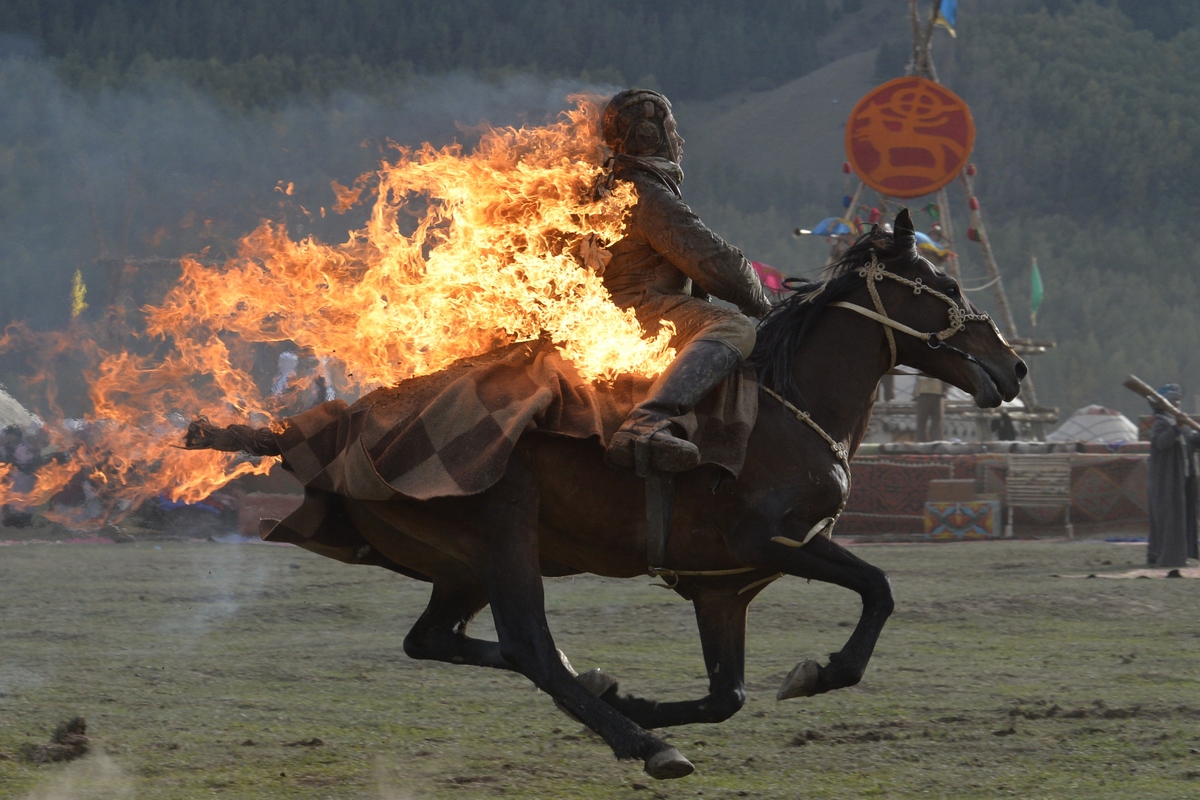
(873, 273)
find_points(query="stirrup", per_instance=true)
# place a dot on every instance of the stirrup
(658, 449)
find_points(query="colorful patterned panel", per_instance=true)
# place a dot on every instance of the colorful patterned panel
(976, 519)
(888, 492)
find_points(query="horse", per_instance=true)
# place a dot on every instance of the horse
(559, 509)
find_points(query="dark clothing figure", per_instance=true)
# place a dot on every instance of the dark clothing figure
(664, 269)
(1171, 492)
(1004, 429)
(930, 407)
(668, 257)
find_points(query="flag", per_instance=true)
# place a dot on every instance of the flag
(1036, 292)
(832, 226)
(947, 16)
(771, 277)
(78, 292)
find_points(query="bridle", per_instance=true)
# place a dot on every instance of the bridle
(874, 272)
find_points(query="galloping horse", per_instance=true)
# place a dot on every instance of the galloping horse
(560, 510)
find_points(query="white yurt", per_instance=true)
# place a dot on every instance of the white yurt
(13, 413)
(1096, 424)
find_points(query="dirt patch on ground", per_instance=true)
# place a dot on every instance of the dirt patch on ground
(68, 742)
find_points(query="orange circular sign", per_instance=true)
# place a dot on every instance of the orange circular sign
(909, 137)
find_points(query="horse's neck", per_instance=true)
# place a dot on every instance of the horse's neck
(836, 371)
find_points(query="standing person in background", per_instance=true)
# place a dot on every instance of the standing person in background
(1171, 487)
(930, 406)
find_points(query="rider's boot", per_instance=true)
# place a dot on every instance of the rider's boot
(647, 439)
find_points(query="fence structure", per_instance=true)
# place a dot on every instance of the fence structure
(1107, 491)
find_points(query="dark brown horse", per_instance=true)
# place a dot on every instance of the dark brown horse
(560, 510)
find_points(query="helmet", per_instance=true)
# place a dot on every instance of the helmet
(1172, 393)
(634, 123)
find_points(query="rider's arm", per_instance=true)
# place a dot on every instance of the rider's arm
(676, 233)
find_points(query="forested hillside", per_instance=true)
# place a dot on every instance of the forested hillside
(692, 49)
(1089, 157)
(154, 129)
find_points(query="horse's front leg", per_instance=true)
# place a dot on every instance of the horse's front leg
(823, 560)
(721, 617)
(505, 518)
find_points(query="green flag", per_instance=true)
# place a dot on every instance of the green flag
(1036, 292)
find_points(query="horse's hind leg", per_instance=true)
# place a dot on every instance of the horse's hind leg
(508, 562)
(721, 617)
(823, 560)
(441, 632)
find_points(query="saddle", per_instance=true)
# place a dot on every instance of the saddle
(451, 433)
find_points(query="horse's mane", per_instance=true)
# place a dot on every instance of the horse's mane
(781, 331)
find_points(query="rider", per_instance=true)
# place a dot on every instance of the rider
(665, 268)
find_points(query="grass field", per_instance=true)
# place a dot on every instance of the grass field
(207, 670)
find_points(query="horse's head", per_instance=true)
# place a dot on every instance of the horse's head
(929, 323)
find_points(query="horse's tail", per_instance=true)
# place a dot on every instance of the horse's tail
(203, 435)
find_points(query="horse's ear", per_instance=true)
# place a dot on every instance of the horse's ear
(904, 226)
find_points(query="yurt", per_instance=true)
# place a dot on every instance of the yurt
(1096, 424)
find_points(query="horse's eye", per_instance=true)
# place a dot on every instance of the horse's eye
(953, 291)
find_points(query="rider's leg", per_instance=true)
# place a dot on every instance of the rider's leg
(648, 439)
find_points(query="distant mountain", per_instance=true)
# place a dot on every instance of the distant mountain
(795, 129)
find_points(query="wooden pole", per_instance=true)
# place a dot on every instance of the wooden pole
(1028, 390)
(943, 202)
(914, 17)
(854, 204)
(989, 260)
(922, 66)
(1139, 386)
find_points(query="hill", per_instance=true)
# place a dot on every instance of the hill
(795, 129)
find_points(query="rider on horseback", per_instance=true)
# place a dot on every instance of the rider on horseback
(665, 269)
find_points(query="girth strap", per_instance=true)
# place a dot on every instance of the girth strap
(660, 496)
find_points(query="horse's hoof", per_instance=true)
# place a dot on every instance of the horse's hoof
(800, 682)
(596, 681)
(667, 764)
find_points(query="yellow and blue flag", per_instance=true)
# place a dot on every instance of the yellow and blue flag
(947, 16)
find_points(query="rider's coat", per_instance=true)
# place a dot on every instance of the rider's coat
(669, 262)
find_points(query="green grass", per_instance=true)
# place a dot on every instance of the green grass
(198, 666)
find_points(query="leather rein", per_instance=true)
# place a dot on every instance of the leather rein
(873, 273)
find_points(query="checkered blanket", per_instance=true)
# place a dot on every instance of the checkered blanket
(451, 433)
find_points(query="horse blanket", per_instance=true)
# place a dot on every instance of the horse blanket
(451, 434)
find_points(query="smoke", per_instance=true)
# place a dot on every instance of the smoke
(118, 183)
(96, 777)
(225, 576)
(388, 780)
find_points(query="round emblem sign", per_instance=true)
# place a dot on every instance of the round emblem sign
(909, 137)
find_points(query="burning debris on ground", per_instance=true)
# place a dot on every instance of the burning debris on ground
(68, 742)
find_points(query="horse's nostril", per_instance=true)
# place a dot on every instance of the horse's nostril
(1022, 370)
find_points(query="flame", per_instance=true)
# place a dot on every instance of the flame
(490, 259)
